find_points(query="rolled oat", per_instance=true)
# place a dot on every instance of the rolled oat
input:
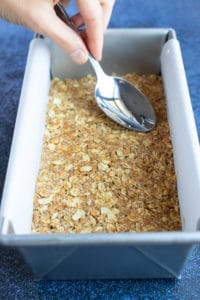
(96, 176)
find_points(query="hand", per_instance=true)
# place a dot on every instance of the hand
(39, 15)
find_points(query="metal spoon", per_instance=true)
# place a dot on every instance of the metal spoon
(117, 98)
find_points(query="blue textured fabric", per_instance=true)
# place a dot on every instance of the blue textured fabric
(16, 281)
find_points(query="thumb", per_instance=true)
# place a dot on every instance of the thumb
(54, 28)
(39, 15)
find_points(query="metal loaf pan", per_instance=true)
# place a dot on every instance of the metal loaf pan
(106, 255)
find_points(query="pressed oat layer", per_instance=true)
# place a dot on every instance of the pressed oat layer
(96, 176)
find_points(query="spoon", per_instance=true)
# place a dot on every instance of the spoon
(117, 98)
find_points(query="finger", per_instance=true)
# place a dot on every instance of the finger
(50, 25)
(91, 12)
(65, 2)
(77, 20)
(107, 6)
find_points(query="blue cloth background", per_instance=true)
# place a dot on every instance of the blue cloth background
(16, 281)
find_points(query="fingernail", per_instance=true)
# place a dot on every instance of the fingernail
(79, 56)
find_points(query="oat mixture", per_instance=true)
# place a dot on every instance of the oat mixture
(96, 176)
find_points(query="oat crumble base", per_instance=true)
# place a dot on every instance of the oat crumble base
(95, 175)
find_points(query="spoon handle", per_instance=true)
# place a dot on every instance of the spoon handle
(62, 14)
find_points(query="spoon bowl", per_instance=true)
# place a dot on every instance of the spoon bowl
(116, 97)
